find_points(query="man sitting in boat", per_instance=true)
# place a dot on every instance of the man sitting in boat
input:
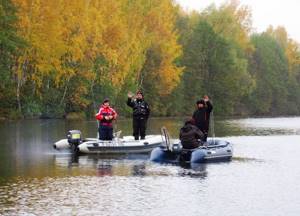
(190, 136)
(106, 115)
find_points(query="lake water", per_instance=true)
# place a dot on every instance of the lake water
(262, 178)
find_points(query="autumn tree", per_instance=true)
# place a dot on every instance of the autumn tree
(292, 54)
(80, 51)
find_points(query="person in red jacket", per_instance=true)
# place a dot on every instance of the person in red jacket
(105, 116)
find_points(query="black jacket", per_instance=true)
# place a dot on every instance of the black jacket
(202, 115)
(140, 108)
(189, 136)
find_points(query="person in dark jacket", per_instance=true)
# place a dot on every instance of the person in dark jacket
(202, 115)
(105, 116)
(190, 136)
(140, 114)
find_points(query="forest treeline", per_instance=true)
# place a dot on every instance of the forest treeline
(63, 57)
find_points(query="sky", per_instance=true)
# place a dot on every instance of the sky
(264, 13)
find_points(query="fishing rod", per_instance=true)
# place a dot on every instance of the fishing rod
(94, 106)
(212, 126)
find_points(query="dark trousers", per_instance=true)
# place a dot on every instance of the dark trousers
(139, 128)
(205, 133)
(105, 132)
(205, 136)
(204, 126)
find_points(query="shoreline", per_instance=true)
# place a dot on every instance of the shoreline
(3, 119)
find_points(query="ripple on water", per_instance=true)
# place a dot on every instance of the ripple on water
(79, 195)
(262, 179)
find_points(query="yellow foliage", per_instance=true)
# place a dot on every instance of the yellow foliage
(66, 37)
(290, 46)
(292, 54)
(232, 21)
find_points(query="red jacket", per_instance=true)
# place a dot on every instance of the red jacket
(106, 111)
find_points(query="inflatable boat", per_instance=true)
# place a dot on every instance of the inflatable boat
(124, 145)
(212, 150)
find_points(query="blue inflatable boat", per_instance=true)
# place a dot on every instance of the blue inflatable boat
(212, 150)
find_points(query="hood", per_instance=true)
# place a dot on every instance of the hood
(187, 127)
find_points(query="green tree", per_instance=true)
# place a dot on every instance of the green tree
(212, 67)
(270, 69)
(10, 44)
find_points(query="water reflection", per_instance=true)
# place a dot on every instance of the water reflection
(193, 170)
(26, 146)
(247, 159)
(104, 168)
(267, 126)
(125, 165)
(139, 170)
(36, 180)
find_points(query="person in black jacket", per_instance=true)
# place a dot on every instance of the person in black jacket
(140, 114)
(202, 115)
(190, 136)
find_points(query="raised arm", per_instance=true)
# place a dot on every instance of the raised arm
(130, 99)
(130, 102)
(209, 106)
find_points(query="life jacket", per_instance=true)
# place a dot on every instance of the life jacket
(106, 111)
(140, 108)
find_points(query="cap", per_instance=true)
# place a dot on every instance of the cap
(140, 92)
(106, 100)
(200, 102)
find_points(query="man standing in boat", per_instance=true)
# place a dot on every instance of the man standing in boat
(202, 115)
(140, 114)
(106, 115)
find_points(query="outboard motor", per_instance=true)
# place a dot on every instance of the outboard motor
(185, 155)
(74, 139)
(176, 148)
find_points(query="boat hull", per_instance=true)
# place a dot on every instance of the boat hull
(102, 148)
(213, 150)
(126, 145)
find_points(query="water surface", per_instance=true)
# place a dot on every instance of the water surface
(262, 178)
